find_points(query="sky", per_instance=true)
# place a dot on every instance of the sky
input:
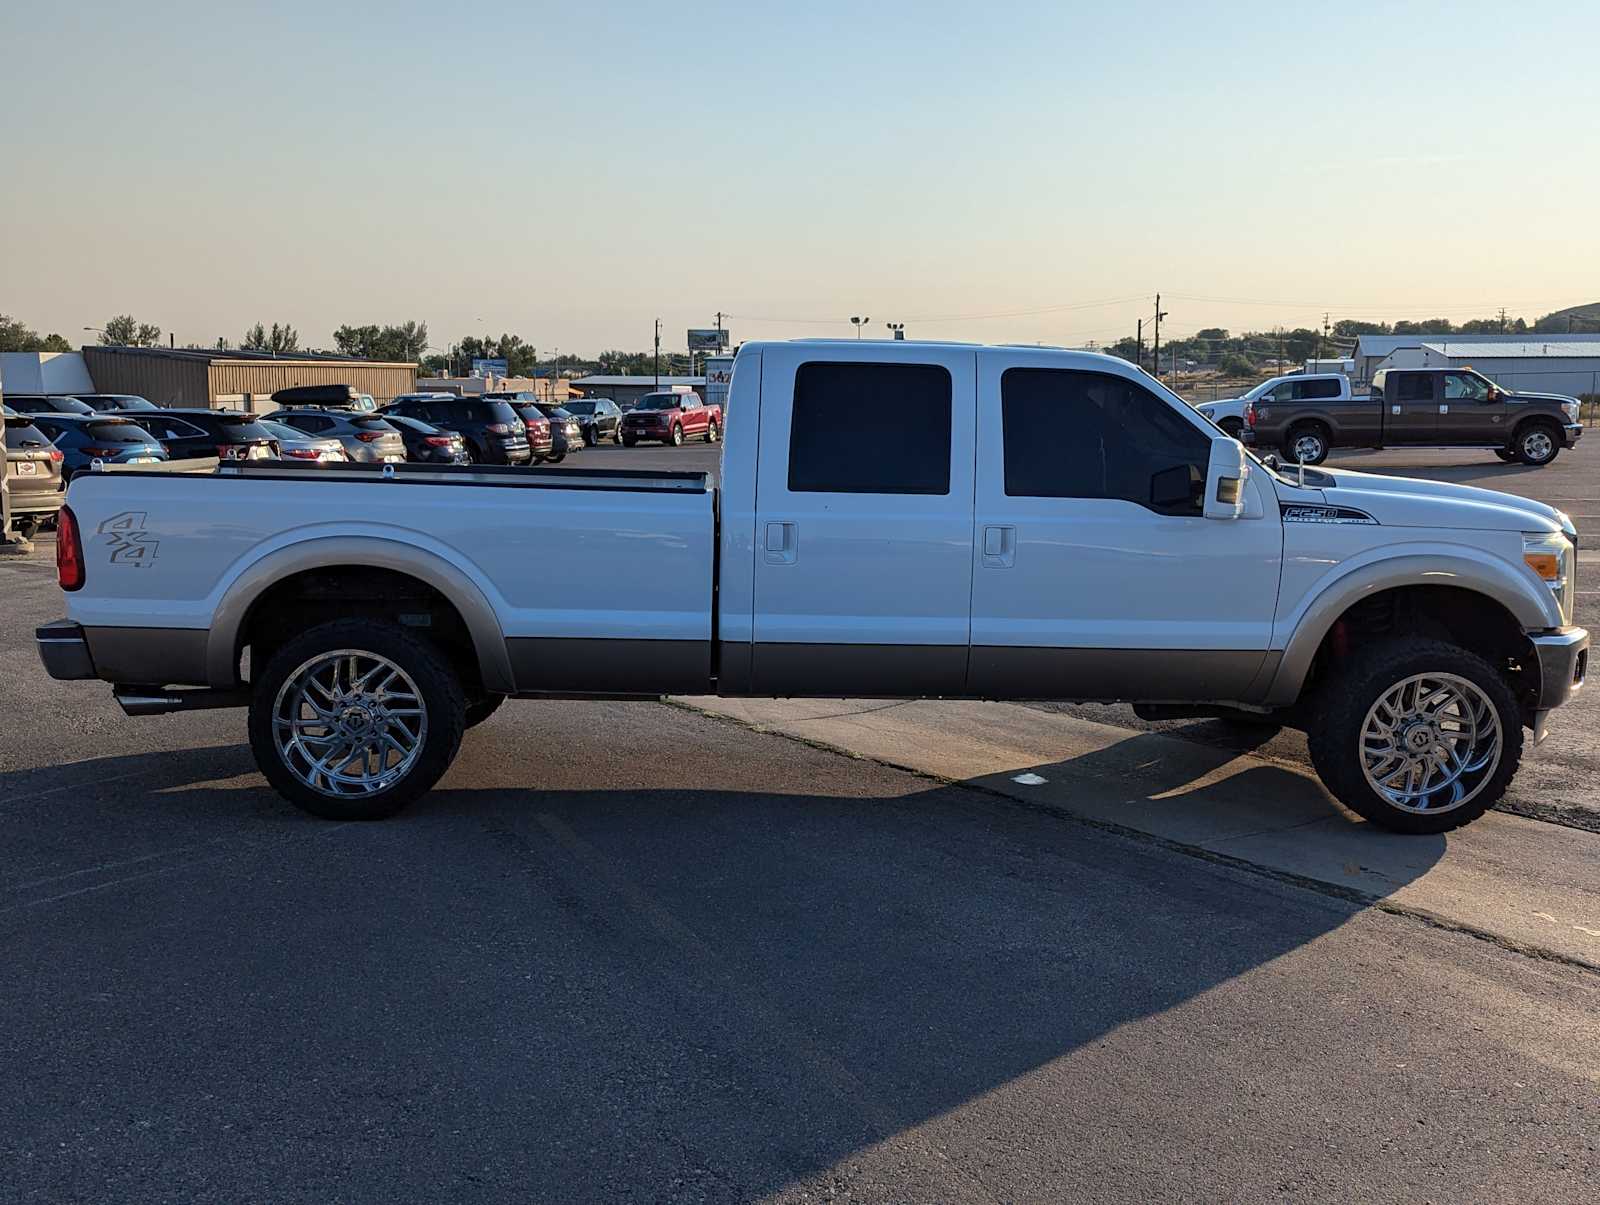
(1013, 172)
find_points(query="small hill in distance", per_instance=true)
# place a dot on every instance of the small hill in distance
(1577, 319)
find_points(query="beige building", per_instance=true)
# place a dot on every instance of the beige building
(543, 388)
(196, 377)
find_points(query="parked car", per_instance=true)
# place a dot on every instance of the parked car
(425, 443)
(491, 430)
(297, 445)
(116, 403)
(566, 436)
(193, 433)
(1425, 407)
(1049, 525)
(366, 438)
(84, 438)
(418, 397)
(33, 466)
(324, 397)
(599, 419)
(671, 418)
(47, 403)
(1228, 413)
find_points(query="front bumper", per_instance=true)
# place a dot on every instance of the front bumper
(64, 651)
(1563, 664)
(1573, 433)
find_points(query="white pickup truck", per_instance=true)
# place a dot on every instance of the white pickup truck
(894, 520)
(1228, 413)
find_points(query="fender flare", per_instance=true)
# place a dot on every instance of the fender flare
(1491, 578)
(373, 551)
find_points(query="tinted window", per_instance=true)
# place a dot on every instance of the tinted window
(370, 424)
(234, 427)
(1411, 387)
(582, 407)
(309, 422)
(1319, 389)
(20, 433)
(1093, 435)
(658, 401)
(870, 429)
(499, 412)
(29, 405)
(116, 433)
(70, 405)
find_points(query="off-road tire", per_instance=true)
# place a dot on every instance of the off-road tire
(438, 686)
(1348, 693)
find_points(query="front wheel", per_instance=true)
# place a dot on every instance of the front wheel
(1538, 444)
(1416, 735)
(677, 437)
(1231, 427)
(355, 718)
(590, 437)
(616, 437)
(1505, 454)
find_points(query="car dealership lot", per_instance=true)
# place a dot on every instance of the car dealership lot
(628, 951)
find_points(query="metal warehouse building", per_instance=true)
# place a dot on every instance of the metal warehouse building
(1542, 366)
(1405, 351)
(625, 391)
(195, 377)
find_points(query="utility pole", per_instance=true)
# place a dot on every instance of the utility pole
(1138, 345)
(1502, 320)
(658, 353)
(1322, 338)
(1155, 346)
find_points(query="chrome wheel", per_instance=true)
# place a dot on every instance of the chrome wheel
(1430, 743)
(349, 723)
(1537, 445)
(1307, 448)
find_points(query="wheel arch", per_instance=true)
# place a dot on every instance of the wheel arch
(1452, 589)
(254, 583)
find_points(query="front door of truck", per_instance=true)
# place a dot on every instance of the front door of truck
(1466, 413)
(863, 537)
(1095, 574)
(1411, 408)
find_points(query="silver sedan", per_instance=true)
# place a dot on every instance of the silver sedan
(297, 445)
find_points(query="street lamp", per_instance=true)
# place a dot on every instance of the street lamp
(858, 323)
(899, 329)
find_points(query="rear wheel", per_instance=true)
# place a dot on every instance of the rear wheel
(1307, 443)
(355, 718)
(1231, 426)
(1416, 735)
(1538, 444)
(712, 433)
(616, 435)
(590, 436)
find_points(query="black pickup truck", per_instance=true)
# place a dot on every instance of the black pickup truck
(1426, 407)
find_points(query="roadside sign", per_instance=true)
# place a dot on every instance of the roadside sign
(490, 368)
(708, 339)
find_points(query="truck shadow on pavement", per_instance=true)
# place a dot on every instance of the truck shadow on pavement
(596, 993)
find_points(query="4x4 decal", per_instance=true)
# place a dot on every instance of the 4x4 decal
(127, 539)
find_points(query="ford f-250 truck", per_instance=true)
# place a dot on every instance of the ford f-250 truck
(1003, 523)
(1322, 387)
(1427, 407)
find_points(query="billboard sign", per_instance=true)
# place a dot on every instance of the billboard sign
(708, 340)
(490, 368)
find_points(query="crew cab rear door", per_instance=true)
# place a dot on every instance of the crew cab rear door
(1411, 412)
(863, 538)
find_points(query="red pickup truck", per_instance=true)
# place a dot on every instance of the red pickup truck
(671, 418)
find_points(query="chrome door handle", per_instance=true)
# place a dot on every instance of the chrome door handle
(782, 543)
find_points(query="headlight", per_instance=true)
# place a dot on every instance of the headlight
(1570, 409)
(1552, 557)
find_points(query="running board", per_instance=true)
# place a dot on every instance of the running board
(147, 700)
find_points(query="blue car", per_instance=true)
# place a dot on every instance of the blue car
(84, 438)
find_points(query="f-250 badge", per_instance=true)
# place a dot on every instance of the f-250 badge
(127, 539)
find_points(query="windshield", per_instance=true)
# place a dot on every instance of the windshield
(658, 401)
(580, 407)
(242, 426)
(283, 431)
(70, 405)
(554, 412)
(117, 433)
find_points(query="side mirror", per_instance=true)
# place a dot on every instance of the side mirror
(1225, 478)
(1494, 393)
(1272, 462)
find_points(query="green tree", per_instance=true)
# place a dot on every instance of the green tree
(279, 340)
(18, 336)
(1235, 364)
(1349, 328)
(123, 331)
(402, 344)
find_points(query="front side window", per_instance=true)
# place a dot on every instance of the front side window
(1465, 387)
(846, 415)
(1071, 434)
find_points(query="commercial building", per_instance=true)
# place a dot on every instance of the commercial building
(545, 389)
(625, 390)
(196, 377)
(1372, 351)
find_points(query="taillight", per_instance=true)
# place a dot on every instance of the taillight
(57, 455)
(302, 453)
(69, 550)
(1250, 415)
(100, 452)
(438, 441)
(498, 428)
(368, 437)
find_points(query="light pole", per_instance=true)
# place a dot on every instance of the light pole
(858, 323)
(96, 330)
(899, 329)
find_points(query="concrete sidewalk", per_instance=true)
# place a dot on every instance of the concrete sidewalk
(1524, 883)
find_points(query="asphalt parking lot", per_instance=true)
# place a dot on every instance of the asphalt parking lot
(637, 952)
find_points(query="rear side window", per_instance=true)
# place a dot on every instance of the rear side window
(309, 422)
(870, 429)
(1412, 387)
(500, 412)
(370, 424)
(241, 427)
(1071, 434)
(1320, 389)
